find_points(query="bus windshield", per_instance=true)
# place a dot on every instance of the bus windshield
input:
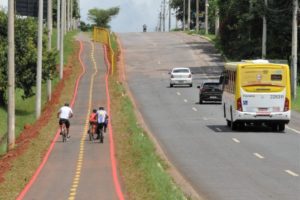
(263, 76)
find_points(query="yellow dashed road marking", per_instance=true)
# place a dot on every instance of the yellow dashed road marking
(76, 180)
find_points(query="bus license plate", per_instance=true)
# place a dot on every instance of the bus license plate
(262, 109)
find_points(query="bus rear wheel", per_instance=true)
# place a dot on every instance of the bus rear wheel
(281, 127)
(278, 127)
(234, 126)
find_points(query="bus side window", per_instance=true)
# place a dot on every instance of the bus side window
(234, 80)
(230, 82)
(226, 78)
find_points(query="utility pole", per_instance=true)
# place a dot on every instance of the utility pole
(206, 17)
(217, 22)
(71, 15)
(49, 23)
(184, 10)
(62, 33)
(65, 15)
(11, 77)
(39, 62)
(164, 15)
(160, 21)
(189, 14)
(58, 18)
(197, 16)
(170, 15)
(294, 49)
(264, 34)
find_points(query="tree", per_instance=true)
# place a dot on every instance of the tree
(25, 56)
(101, 17)
(241, 28)
(76, 10)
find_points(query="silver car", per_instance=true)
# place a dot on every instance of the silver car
(181, 76)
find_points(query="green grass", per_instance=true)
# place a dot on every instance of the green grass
(296, 102)
(144, 173)
(25, 113)
(114, 44)
(68, 39)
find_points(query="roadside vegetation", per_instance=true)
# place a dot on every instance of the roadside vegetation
(296, 103)
(22, 168)
(144, 173)
(25, 107)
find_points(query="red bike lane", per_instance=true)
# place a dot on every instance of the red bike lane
(81, 169)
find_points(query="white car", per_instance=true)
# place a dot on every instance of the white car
(181, 76)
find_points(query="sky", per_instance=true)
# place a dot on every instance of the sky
(133, 13)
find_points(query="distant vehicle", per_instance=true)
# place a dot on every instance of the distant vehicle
(181, 76)
(210, 91)
(144, 28)
(256, 92)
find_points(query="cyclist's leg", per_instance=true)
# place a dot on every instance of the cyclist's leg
(100, 132)
(97, 130)
(60, 122)
(67, 123)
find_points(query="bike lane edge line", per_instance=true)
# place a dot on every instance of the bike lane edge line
(112, 145)
(46, 157)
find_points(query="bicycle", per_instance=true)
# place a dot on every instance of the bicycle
(101, 137)
(91, 131)
(64, 132)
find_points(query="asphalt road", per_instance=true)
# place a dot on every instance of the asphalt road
(79, 168)
(255, 164)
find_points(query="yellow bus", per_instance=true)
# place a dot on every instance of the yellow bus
(256, 92)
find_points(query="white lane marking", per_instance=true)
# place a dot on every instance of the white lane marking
(258, 155)
(296, 131)
(185, 100)
(291, 173)
(218, 129)
(178, 93)
(194, 109)
(205, 119)
(159, 62)
(236, 140)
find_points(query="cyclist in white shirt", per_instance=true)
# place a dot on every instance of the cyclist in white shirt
(64, 114)
(101, 119)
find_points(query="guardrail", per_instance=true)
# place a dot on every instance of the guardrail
(103, 36)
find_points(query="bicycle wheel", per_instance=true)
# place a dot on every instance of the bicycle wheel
(101, 135)
(64, 133)
(91, 133)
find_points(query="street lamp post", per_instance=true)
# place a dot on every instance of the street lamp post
(11, 77)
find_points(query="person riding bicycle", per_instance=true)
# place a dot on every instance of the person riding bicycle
(105, 123)
(93, 119)
(144, 28)
(101, 116)
(64, 114)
